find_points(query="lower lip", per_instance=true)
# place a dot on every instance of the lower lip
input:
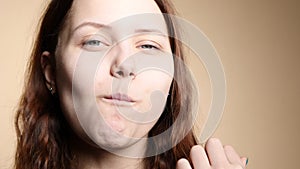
(118, 102)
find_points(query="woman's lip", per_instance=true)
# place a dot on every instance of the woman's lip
(119, 97)
(118, 100)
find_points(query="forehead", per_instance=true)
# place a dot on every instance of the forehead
(108, 11)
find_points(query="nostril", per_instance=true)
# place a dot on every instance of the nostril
(131, 74)
(120, 73)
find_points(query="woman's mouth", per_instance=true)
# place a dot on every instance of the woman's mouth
(118, 99)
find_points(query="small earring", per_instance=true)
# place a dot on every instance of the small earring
(52, 91)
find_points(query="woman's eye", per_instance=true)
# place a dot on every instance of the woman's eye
(93, 43)
(148, 46)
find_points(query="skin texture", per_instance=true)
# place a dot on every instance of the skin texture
(115, 129)
(78, 40)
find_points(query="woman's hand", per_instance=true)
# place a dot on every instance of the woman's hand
(215, 156)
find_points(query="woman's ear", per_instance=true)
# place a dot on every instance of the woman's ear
(48, 71)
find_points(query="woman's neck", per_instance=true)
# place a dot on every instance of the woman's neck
(90, 157)
(106, 160)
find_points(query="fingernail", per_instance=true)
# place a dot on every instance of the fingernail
(247, 161)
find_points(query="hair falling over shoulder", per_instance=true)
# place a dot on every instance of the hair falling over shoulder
(42, 131)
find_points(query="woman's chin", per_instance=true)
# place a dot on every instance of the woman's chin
(112, 139)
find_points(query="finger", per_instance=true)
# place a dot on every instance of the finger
(244, 161)
(232, 156)
(183, 164)
(215, 152)
(199, 157)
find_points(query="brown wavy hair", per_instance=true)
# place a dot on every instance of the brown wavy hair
(42, 130)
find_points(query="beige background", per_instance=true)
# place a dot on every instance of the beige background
(259, 45)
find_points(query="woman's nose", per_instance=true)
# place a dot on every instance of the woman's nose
(123, 63)
(123, 71)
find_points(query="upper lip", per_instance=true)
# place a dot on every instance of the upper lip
(120, 97)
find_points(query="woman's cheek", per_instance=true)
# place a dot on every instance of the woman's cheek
(65, 67)
(154, 89)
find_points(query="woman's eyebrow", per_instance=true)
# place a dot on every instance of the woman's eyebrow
(93, 24)
(100, 25)
(156, 31)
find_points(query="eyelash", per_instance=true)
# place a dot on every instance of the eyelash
(94, 42)
(89, 41)
(93, 45)
(149, 45)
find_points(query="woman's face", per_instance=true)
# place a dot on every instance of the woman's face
(133, 70)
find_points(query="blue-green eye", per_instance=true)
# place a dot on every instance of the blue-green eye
(148, 46)
(93, 43)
